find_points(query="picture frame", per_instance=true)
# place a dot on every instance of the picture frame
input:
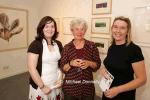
(101, 43)
(13, 28)
(57, 20)
(101, 6)
(141, 28)
(101, 25)
(66, 25)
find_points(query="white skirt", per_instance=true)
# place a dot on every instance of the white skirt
(37, 94)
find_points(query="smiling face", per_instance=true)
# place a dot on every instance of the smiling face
(119, 31)
(49, 30)
(78, 31)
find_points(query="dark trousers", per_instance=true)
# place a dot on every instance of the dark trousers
(69, 97)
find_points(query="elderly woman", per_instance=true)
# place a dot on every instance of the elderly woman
(80, 58)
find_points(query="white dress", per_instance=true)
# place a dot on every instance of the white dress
(50, 73)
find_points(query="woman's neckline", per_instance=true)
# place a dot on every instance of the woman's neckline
(79, 48)
(120, 45)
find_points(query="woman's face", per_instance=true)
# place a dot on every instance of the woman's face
(119, 31)
(49, 30)
(78, 31)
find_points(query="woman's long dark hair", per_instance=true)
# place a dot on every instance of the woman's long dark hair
(41, 25)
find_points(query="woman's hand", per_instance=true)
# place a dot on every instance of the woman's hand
(46, 90)
(85, 64)
(76, 62)
(58, 83)
(112, 92)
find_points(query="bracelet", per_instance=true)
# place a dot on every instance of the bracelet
(42, 86)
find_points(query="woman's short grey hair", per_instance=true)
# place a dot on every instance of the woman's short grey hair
(77, 22)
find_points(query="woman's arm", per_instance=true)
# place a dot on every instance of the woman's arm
(32, 60)
(64, 63)
(140, 79)
(95, 63)
(66, 67)
(59, 81)
(87, 63)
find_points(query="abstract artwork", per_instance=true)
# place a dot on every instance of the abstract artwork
(13, 28)
(101, 25)
(101, 6)
(101, 43)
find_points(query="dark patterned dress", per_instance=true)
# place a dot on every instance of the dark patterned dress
(79, 82)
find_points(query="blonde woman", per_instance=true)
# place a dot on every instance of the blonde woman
(124, 60)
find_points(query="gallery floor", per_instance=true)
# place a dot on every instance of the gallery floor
(16, 88)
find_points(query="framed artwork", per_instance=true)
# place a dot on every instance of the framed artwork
(101, 6)
(101, 43)
(57, 23)
(66, 25)
(101, 25)
(13, 28)
(141, 26)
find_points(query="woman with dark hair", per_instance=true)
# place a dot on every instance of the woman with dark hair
(124, 60)
(43, 60)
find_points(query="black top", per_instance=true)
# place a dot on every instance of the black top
(37, 47)
(119, 63)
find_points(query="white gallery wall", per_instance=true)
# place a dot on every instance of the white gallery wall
(69, 8)
(13, 62)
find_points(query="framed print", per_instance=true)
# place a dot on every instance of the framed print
(101, 6)
(66, 25)
(57, 20)
(141, 26)
(101, 25)
(101, 43)
(13, 28)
